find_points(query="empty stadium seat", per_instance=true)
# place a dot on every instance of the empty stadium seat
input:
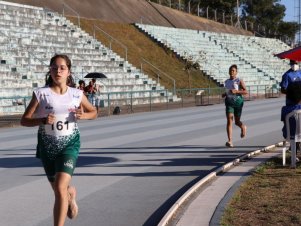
(215, 52)
(30, 36)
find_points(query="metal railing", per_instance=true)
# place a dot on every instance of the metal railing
(142, 101)
(69, 7)
(185, 52)
(169, 77)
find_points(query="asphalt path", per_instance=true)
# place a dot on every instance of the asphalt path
(132, 168)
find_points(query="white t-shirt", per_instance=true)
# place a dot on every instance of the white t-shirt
(63, 106)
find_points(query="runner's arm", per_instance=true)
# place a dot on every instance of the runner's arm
(86, 110)
(27, 118)
(242, 90)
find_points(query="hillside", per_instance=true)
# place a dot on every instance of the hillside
(133, 11)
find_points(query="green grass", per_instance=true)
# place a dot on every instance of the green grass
(271, 196)
(140, 46)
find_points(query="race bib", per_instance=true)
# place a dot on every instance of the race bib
(63, 125)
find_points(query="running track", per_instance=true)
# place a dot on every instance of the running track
(132, 168)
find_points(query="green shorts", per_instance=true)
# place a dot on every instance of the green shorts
(234, 106)
(58, 154)
(63, 163)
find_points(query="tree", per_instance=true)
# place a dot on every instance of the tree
(223, 5)
(226, 6)
(288, 30)
(267, 18)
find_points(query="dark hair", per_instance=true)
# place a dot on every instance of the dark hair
(292, 62)
(70, 80)
(233, 66)
(293, 92)
(81, 82)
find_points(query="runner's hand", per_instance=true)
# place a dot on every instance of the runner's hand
(50, 119)
(79, 113)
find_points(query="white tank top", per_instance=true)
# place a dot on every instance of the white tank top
(232, 84)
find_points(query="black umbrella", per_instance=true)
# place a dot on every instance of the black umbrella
(95, 75)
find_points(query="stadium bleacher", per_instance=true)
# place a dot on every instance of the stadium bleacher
(215, 52)
(30, 36)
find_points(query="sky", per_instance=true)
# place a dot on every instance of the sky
(291, 9)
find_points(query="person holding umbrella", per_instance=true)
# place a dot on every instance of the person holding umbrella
(291, 76)
(92, 89)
